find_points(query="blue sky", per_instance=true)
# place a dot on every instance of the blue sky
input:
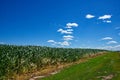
(61, 23)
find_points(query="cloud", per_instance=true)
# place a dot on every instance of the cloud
(114, 48)
(105, 17)
(51, 41)
(112, 42)
(65, 31)
(69, 29)
(70, 25)
(117, 47)
(107, 21)
(89, 16)
(106, 38)
(64, 43)
(68, 37)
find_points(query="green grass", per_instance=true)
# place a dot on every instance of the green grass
(103, 65)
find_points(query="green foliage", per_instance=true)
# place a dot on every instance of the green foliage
(94, 69)
(24, 59)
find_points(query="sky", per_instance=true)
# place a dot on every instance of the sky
(61, 23)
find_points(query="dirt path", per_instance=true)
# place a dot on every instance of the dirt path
(50, 71)
(109, 77)
(49, 74)
(54, 70)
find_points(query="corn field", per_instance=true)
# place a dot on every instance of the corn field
(25, 59)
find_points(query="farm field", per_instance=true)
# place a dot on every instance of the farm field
(59, 40)
(103, 67)
(20, 60)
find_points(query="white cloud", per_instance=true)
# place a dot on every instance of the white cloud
(89, 16)
(68, 37)
(65, 31)
(112, 42)
(107, 21)
(105, 17)
(70, 30)
(51, 41)
(105, 47)
(64, 43)
(106, 38)
(117, 47)
(70, 25)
